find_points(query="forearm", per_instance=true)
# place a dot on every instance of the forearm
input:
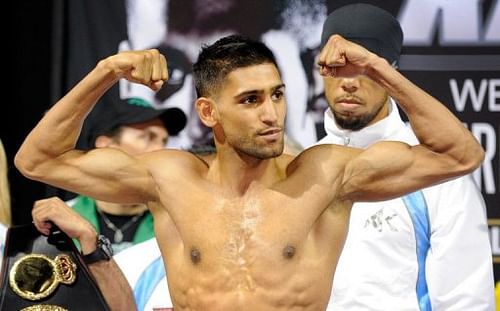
(435, 126)
(113, 285)
(109, 277)
(60, 127)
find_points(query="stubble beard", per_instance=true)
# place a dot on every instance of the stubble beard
(355, 123)
(250, 148)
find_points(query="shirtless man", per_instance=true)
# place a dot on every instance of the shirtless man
(249, 228)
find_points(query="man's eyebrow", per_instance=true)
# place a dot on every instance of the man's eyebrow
(280, 86)
(254, 92)
(250, 92)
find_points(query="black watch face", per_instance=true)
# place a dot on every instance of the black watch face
(105, 245)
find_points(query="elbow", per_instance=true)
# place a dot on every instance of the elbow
(480, 156)
(474, 160)
(26, 165)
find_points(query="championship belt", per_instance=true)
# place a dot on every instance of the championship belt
(42, 273)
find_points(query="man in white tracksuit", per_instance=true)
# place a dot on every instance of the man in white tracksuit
(426, 251)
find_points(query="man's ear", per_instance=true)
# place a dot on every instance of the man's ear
(103, 141)
(207, 111)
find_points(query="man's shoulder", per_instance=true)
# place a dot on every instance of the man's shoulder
(322, 158)
(176, 159)
(327, 151)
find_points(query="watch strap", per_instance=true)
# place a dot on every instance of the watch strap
(103, 251)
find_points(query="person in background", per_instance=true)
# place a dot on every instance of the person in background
(5, 211)
(108, 276)
(135, 128)
(248, 227)
(428, 250)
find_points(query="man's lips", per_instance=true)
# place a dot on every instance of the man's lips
(348, 103)
(271, 134)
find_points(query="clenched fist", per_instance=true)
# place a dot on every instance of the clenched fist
(342, 58)
(147, 67)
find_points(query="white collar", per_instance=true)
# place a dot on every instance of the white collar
(389, 128)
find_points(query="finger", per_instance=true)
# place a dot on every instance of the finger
(45, 212)
(141, 72)
(159, 71)
(156, 85)
(38, 208)
(333, 54)
(156, 65)
(40, 214)
(328, 71)
(322, 57)
(148, 68)
(164, 66)
(325, 63)
(43, 226)
(326, 52)
(335, 57)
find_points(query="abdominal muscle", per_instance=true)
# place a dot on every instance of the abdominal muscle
(266, 283)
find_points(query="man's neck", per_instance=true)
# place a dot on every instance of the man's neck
(120, 209)
(237, 173)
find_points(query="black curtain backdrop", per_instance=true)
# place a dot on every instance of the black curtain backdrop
(29, 92)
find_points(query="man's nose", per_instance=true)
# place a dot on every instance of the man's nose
(350, 85)
(269, 111)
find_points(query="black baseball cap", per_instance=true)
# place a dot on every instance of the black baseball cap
(105, 117)
(367, 25)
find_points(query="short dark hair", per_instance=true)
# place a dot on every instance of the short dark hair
(216, 61)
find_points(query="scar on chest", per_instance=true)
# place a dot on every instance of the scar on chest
(195, 255)
(288, 252)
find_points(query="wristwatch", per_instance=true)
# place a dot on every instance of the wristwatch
(103, 251)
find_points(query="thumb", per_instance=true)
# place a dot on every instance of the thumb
(156, 85)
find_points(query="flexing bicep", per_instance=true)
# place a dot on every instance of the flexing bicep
(105, 174)
(390, 169)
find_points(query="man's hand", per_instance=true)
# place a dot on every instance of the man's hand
(53, 210)
(109, 277)
(147, 67)
(342, 58)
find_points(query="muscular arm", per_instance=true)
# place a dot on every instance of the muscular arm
(389, 169)
(108, 276)
(48, 153)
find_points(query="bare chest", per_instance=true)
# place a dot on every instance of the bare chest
(237, 229)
